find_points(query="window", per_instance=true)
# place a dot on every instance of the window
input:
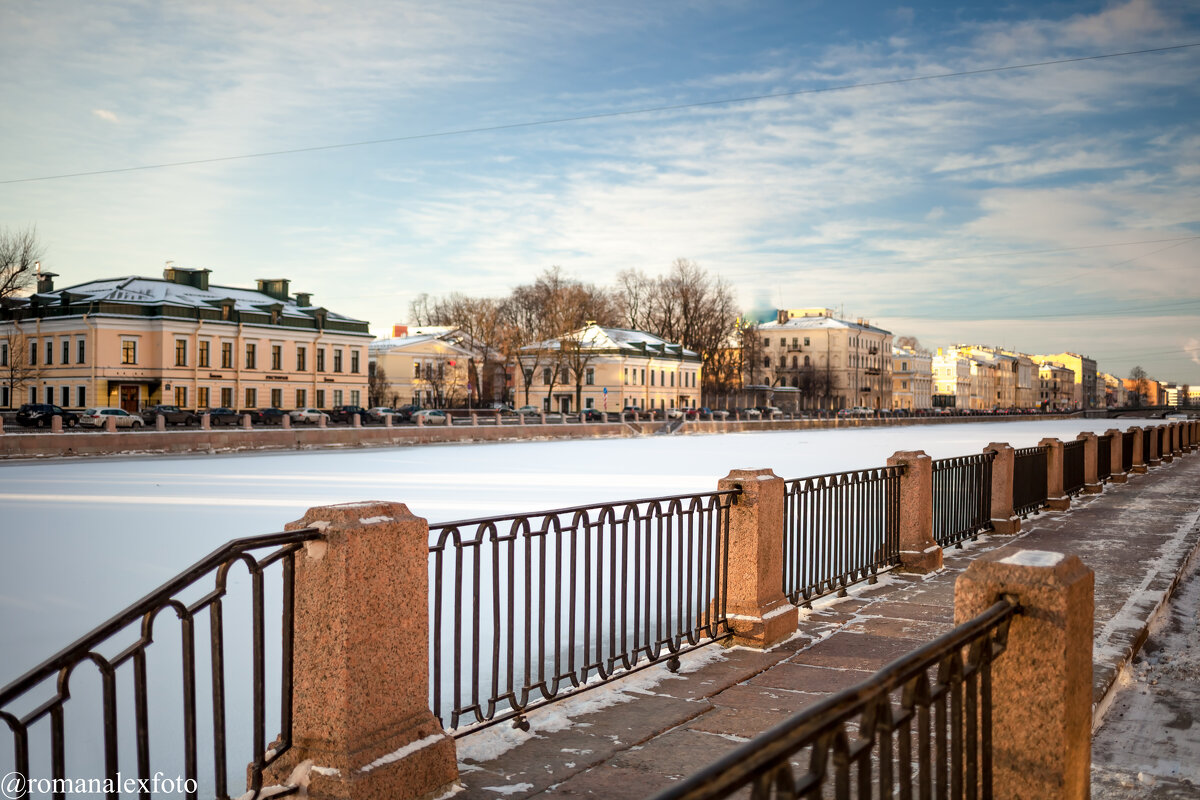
(202, 354)
(672, 378)
(766, 361)
(651, 377)
(904, 366)
(81, 396)
(4, 357)
(354, 397)
(276, 358)
(301, 398)
(251, 398)
(644, 377)
(227, 355)
(66, 353)
(33, 359)
(49, 351)
(337, 361)
(277, 398)
(337, 397)
(128, 351)
(806, 341)
(626, 378)
(354, 355)
(4, 397)
(320, 398)
(65, 394)
(528, 373)
(590, 377)
(50, 395)
(766, 342)
(589, 403)
(807, 363)
(33, 394)
(546, 375)
(180, 354)
(301, 358)
(251, 350)
(320, 360)
(227, 396)
(795, 362)
(181, 396)
(202, 397)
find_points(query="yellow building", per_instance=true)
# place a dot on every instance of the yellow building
(1084, 395)
(1057, 392)
(428, 368)
(951, 380)
(133, 342)
(608, 369)
(912, 378)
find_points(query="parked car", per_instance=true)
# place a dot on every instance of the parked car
(430, 416)
(266, 416)
(717, 413)
(96, 418)
(770, 411)
(38, 415)
(593, 415)
(675, 413)
(307, 416)
(404, 413)
(221, 416)
(529, 410)
(378, 413)
(503, 408)
(346, 413)
(751, 413)
(174, 415)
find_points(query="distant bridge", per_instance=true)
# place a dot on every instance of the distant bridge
(1153, 411)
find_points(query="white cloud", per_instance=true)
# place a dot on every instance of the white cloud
(105, 114)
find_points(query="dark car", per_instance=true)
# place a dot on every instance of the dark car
(38, 415)
(404, 413)
(593, 415)
(346, 414)
(266, 416)
(174, 415)
(222, 416)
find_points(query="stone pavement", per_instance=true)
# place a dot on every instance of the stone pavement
(652, 728)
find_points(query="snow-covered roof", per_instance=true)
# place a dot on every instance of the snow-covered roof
(619, 340)
(404, 342)
(819, 322)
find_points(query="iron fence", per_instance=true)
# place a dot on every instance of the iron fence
(861, 742)
(839, 529)
(1029, 480)
(1073, 477)
(1104, 457)
(525, 608)
(1147, 434)
(962, 497)
(1127, 439)
(119, 723)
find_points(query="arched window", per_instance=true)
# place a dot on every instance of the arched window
(793, 362)
(806, 362)
(766, 361)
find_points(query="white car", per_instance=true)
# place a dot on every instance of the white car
(96, 417)
(430, 416)
(309, 416)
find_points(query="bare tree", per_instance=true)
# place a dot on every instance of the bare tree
(1141, 386)
(17, 370)
(377, 384)
(19, 253)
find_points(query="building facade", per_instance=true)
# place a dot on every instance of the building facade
(951, 380)
(1085, 394)
(832, 363)
(132, 342)
(912, 379)
(1056, 390)
(429, 370)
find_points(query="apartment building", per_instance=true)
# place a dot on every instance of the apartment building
(951, 380)
(1085, 394)
(136, 341)
(832, 363)
(1057, 387)
(912, 378)
(1115, 394)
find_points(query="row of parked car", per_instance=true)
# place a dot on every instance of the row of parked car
(40, 415)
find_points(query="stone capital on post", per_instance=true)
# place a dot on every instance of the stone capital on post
(1042, 682)
(1116, 455)
(1091, 463)
(1056, 498)
(1139, 449)
(759, 613)
(1004, 520)
(361, 717)
(919, 552)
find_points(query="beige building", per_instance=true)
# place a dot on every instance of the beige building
(1057, 387)
(1085, 394)
(133, 342)
(912, 378)
(832, 363)
(608, 369)
(1115, 394)
(951, 380)
(427, 369)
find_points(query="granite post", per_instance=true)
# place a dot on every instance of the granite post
(246, 423)
(322, 421)
(355, 421)
(206, 421)
(362, 728)
(1155, 443)
(758, 611)
(110, 424)
(160, 422)
(1177, 439)
(1116, 456)
(1056, 498)
(286, 421)
(1004, 520)
(1042, 683)
(1139, 449)
(1091, 463)
(919, 552)
(56, 424)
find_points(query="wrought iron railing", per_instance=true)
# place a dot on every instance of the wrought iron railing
(1147, 434)
(1104, 457)
(526, 608)
(228, 684)
(1029, 480)
(1127, 439)
(962, 497)
(1073, 477)
(839, 529)
(936, 701)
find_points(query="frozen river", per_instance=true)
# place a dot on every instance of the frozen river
(83, 538)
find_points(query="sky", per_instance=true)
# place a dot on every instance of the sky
(1043, 208)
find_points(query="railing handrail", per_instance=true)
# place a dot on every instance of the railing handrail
(776, 745)
(151, 602)
(887, 471)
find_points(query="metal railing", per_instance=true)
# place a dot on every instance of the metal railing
(525, 608)
(1104, 457)
(1127, 439)
(962, 497)
(1073, 477)
(119, 653)
(861, 742)
(839, 529)
(1147, 433)
(1029, 480)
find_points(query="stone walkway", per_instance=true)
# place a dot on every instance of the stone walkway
(652, 728)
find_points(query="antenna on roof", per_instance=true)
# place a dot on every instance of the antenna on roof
(38, 264)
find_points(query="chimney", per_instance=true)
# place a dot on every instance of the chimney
(304, 299)
(45, 282)
(274, 287)
(781, 316)
(187, 276)
(399, 331)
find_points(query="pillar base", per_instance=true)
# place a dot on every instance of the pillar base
(764, 627)
(1156, 462)
(920, 562)
(1118, 477)
(1006, 527)
(1058, 503)
(1167, 458)
(1139, 469)
(1093, 488)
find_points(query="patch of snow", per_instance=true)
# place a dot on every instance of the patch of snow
(374, 520)
(513, 789)
(1033, 558)
(408, 749)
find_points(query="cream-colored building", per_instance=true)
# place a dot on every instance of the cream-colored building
(424, 369)
(833, 363)
(951, 380)
(1085, 394)
(912, 378)
(608, 369)
(1115, 394)
(133, 342)
(1057, 387)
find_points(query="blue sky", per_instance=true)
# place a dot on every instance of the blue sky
(1045, 209)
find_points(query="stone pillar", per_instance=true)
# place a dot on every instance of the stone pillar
(758, 611)
(420, 422)
(1004, 521)
(1116, 456)
(322, 421)
(160, 422)
(474, 420)
(1042, 683)
(110, 424)
(498, 420)
(1056, 498)
(1155, 442)
(246, 423)
(1176, 439)
(449, 420)
(918, 551)
(355, 421)
(361, 679)
(286, 421)
(542, 417)
(387, 420)
(206, 421)
(1, 425)
(1091, 463)
(1139, 463)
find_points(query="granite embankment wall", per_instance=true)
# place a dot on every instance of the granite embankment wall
(225, 440)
